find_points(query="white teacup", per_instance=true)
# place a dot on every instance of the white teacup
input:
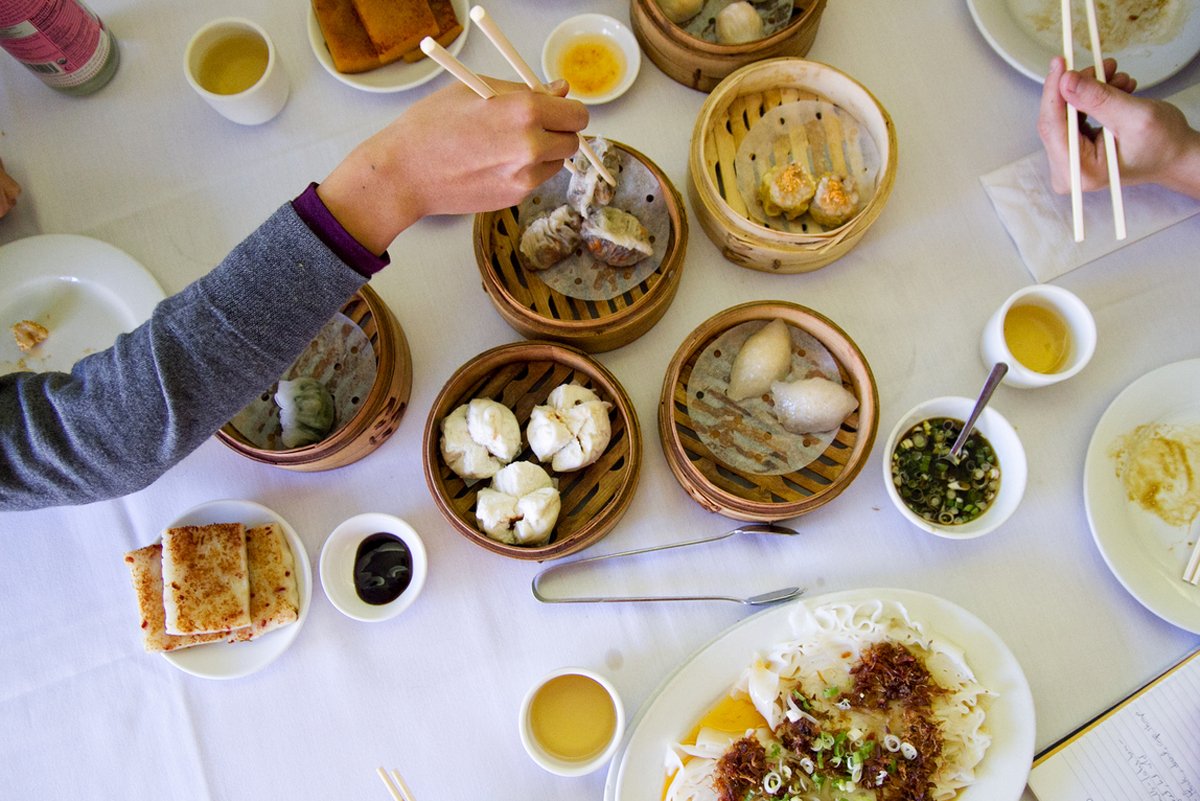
(232, 64)
(1061, 306)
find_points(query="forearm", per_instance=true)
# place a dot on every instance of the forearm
(125, 415)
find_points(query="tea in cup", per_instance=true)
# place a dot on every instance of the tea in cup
(232, 64)
(1044, 334)
(572, 721)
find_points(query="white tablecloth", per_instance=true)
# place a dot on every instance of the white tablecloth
(146, 165)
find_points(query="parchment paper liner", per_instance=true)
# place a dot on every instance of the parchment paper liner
(746, 435)
(340, 357)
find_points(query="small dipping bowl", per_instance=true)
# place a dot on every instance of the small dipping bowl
(1059, 308)
(1009, 451)
(338, 564)
(599, 37)
(556, 710)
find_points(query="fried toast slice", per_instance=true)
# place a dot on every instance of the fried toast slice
(274, 595)
(345, 36)
(449, 27)
(145, 570)
(206, 583)
(396, 26)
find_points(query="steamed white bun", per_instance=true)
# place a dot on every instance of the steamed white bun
(494, 426)
(572, 430)
(521, 507)
(465, 456)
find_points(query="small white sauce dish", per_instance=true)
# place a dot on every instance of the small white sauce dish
(575, 710)
(592, 25)
(337, 566)
(1009, 451)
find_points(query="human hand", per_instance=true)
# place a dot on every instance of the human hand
(1154, 142)
(9, 191)
(452, 153)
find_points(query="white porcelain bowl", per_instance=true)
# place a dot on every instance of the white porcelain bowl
(553, 763)
(337, 566)
(592, 25)
(1007, 445)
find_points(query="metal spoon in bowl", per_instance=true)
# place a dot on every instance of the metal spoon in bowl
(774, 596)
(989, 386)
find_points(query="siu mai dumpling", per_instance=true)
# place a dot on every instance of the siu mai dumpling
(765, 357)
(786, 189)
(616, 237)
(835, 201)
(550, 238)
(812, 404)
(587, 190)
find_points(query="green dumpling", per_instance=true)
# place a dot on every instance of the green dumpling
(306, 411)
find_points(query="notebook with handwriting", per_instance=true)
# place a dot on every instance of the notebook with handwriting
(1146, 747)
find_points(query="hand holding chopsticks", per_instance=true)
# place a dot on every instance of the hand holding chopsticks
(456, 68)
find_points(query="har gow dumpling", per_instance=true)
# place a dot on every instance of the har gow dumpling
(812, 404)
(550, 238)
(679, 11)
(765, 357)
(306, 411)
(587, 191)
(616, 237)
(738, 23)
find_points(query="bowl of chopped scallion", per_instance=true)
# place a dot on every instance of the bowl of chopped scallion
(957, 498)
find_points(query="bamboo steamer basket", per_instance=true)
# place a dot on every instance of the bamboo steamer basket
(379, 413)
(521, 375)
(727, 116)
(536, 311)
(701, 64)
(749, 496)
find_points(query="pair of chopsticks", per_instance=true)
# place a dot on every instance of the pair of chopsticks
(1191, 573)
(459, 70)
(1110, 144)
(395, 784)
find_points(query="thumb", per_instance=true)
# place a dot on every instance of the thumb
(1099, 101)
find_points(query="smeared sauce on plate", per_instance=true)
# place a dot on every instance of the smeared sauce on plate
(1158, 466)
(382, 568)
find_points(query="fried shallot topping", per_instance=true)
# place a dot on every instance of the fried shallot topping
(887, 672)
(739, 769)
(797, 735)
(897, 778)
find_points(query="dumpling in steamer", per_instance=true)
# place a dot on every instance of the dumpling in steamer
(550, 238)
(738, 23)
(306, 411)
(588, 191)
(786, 189)
(616, 237)
(812, 404)
(835, 201)
(764, 357)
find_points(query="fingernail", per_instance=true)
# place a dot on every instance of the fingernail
(558, 85)
(1071, 81)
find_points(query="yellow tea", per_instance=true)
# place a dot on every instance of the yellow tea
(573, 717)
(1037, 337)
(592, 64)
(233, 64)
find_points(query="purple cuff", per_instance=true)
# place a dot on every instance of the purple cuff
(317, 217)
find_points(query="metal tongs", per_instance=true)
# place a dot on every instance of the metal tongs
(775, 596)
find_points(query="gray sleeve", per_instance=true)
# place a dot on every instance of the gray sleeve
(123, 416)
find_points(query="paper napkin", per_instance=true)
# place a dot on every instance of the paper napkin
(1039, 220)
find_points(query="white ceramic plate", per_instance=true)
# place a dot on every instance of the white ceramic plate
(636, 773)
(84, 291)
(397, 76)
(220, 660)
(1144, 553)
(1010, 27)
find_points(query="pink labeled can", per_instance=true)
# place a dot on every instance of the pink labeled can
(60, 41)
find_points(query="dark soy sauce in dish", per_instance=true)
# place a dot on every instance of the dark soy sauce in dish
(382, 568)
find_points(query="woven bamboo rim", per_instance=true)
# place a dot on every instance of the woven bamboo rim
(701, 64)
(535, 310)
(749, 496)
(378, 415)
(521, 375)
(726, 117)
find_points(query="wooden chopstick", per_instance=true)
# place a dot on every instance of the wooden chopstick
(1110, 143)
(398, 789)
(456, 68)
(490, 29)
(1072, 128)
(1191, 573)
